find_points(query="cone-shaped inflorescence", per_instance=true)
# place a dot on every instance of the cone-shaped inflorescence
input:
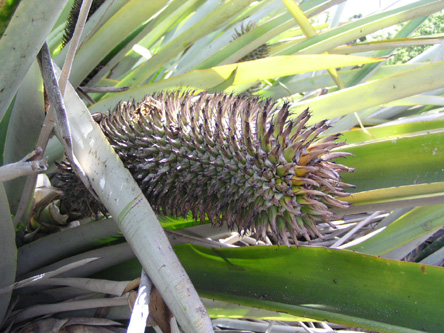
(76, 199)
(233, 159)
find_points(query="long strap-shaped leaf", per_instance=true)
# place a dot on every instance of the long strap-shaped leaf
(402, 170)
(409, 160)
(247, 71)
(37, 19)
(418, 222)
(336, 285)
(375, 93)
(174, 47)
(110, 35)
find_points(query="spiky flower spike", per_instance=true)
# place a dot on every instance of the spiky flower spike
(233, 159)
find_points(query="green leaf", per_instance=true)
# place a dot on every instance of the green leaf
(354, 30)
(304, 84)
(4, 130)
(24, 128)
(174, 223)
(184, 40)
(270, 67)
(414, 159)
(68, 243)
(249, 71)
(230, 51)
(405, 169)
(325, 284)
(115, 30)
(394, 197)
(152, 33)
(390, 44)
(390, 131)
(406, 31)
(375, 93)
(236, 49)
(36, 18)
(419, 100)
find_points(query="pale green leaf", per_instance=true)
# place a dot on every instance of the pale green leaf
(184, 40)
(375, 93)
(416, 223)
(124, 61)
(37, 19)
(394, 197)
(354, 30)
(319, 81)
(24, 128)
(419, 100)
(116, 29)
(390, 131)
(385, 44)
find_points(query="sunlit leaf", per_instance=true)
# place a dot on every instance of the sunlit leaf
(249, 71)
(374, 93)
(390, 132)
(385, 44)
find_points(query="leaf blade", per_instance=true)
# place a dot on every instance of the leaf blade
(248, 71)
(329, 287)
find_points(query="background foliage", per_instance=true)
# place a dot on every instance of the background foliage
(384, 93)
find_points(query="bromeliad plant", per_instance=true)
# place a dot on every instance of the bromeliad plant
(130, 50)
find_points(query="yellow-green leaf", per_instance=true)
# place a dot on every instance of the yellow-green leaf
(248, 71)
(363, 96)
